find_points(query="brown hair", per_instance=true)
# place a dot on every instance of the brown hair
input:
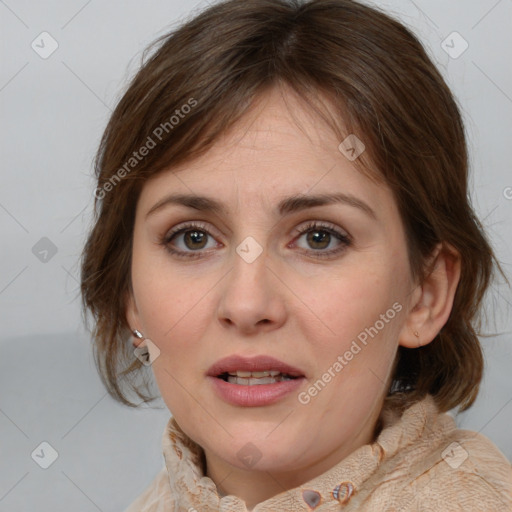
(379, 84)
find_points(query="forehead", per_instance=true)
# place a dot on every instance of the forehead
(279, 147)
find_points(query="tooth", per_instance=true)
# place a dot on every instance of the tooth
(242, 374)
(253, 382)
(237, 380)
(258, 375)
(265, 380)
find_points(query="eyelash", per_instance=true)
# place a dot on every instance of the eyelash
(345, 240)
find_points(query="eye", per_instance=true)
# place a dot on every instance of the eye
(320, 236)
(194, 240)
(194, 237)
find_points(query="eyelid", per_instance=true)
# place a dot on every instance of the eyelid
(320, 224)
(186, 225)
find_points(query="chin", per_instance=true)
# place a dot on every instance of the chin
(254, 454)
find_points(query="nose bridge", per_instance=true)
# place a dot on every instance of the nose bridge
(250, 256)
(249, 267)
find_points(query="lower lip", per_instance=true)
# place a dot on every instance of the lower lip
(256, 395)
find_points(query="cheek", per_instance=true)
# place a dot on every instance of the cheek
(343, 306)
(354, 332)
(165, 298)
(354, 338)
(175, 313)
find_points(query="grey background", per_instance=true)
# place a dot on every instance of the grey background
(53, 112)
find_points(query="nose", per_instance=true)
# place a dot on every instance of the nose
(251, 296)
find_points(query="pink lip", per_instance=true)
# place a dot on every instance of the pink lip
(252, 364)
(254, 396)
(257, 395)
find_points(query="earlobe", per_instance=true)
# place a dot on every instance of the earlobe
(432, 299)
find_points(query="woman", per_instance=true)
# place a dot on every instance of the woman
(283, 229)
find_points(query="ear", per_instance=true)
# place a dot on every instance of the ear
(433, 299)
(132, 317)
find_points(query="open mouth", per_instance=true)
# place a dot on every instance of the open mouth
(254, 382)
(255, 378)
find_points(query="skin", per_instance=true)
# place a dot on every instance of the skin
(288, 303)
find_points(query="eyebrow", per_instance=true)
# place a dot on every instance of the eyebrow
(286, 206)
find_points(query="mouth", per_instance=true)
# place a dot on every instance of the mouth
(255, 378)
(250, 371)
(254, 382)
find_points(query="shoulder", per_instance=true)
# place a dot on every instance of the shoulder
(432, 465)
(477, 472)
(465, 472)
(156, 497)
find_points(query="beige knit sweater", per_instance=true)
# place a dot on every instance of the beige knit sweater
(420, 462)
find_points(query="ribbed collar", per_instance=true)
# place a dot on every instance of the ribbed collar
(192, 490)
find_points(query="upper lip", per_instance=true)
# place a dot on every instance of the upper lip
(252, 364)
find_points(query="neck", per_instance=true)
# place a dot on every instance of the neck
(254, 487)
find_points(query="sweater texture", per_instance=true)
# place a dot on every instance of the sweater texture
(420, 462)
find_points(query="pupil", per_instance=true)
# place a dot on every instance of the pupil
(195, 236)
(315, 237)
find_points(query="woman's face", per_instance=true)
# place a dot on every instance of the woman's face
(323, 287)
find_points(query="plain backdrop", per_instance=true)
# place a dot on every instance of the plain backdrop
(53, 109)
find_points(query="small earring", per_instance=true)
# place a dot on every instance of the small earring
(139, 338)
(142, 353)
